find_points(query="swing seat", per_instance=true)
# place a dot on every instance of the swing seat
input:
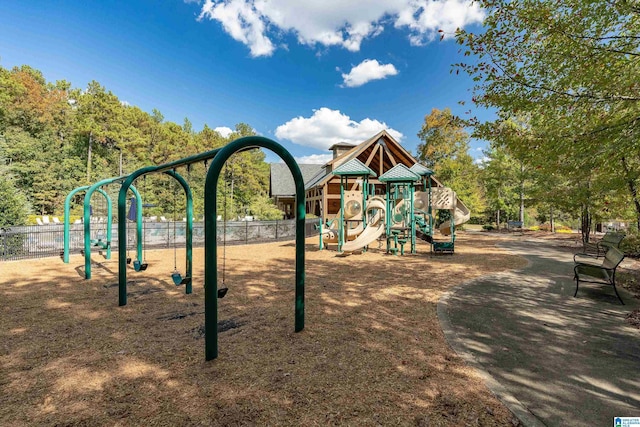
(177, 278)
(103, 245)
(139, 266)
(128, 260)
(222, 292)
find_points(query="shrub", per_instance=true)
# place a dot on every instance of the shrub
(488, 227)
(630, 245)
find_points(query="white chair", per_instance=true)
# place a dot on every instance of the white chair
(77, 221)
(45, 219)
(163, 219)
(39, 221)
(56, 220)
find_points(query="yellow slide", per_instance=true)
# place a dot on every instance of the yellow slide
(375, 227)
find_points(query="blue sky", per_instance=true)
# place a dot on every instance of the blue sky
(306, 74)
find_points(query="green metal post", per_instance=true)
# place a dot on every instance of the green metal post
(430, 211)
(67, 223)
(341, 238)
(320, 228)
(412, 219)
(189, 231)
(87, 223)
(210, 232)
(122, 212)
(388, 215)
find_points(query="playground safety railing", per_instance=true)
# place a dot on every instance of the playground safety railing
(41, 241)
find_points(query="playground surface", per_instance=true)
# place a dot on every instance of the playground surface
(372, 353)
(554, 359)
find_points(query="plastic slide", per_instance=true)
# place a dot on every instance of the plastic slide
(375, 227)
(461, 215)
(330, 235)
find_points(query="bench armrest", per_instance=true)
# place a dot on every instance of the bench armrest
(588, 259)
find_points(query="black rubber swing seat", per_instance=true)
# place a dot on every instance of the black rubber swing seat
(178, 279)
(139, 266)
(222, 292)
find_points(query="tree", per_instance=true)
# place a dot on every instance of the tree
(443, 137)
(98, 120)
(571, 69)
(445, 149)
(13, 203)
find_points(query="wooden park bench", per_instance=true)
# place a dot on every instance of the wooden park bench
(600, 248)
(514, 225)
(591, 269)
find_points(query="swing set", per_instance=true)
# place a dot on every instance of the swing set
(211, 291)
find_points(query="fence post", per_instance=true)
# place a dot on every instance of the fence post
(246, 232)
(276, 229)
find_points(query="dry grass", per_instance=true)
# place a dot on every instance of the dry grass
(372, 352)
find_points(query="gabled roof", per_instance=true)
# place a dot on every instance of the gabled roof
(353, 167)
(282, 181)
(325, 174)
(399, 173)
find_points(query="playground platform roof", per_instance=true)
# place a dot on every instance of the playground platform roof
(399, 173)
(354, 167)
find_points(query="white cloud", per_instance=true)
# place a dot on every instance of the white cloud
(367, 70)
(242, 21)
(327, 127)
(344, 23)
(224, 131)
(316, 159)
(481, 160)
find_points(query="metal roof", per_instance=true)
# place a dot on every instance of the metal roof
(353, 167)
(399, 173)
(421, 170)
(282, 181)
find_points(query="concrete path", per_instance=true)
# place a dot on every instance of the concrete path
(553, 359)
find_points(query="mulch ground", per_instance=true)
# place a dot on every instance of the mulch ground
(372, 352)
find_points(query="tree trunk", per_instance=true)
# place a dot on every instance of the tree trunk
(586, 223)
(498, 219)
(633, 189)
(89, 152)
(551, 221)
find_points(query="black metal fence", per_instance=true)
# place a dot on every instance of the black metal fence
(48, 240)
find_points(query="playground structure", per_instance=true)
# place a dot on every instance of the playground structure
(401, 215)
(218, 159)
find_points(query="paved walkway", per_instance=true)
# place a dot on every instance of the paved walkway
(553, 359)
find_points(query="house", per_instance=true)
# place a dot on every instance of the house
(380, 153)
(282, 188)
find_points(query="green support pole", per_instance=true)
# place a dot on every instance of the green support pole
(365, 180)
(189, 231)
(341, 224)
(412, 220)
(67, 223)
(210, 231)
(87, 223)
(430, 211)
(388, 215)
(320, 228)
(122, 212)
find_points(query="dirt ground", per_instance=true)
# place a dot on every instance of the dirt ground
(372, 352)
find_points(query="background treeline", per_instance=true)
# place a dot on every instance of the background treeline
(54, 138)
